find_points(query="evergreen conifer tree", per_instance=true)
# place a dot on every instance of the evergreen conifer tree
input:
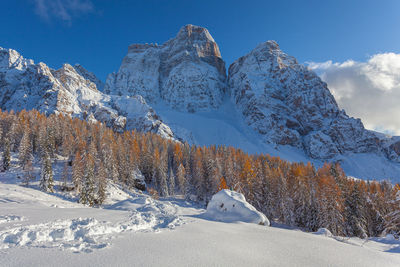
(64, 176)
(25, 148)
(181, 179)
(392, 225)
(171, 183)
(101, 177)
(87, 194)
(46, 176)
(28, 173)
(6, 154)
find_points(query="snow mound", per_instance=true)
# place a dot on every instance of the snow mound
(10, 218)
(156, 215)
(230, 206)
(323, 232)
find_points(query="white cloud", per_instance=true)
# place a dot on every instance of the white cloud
(367, 90)
(62, 9)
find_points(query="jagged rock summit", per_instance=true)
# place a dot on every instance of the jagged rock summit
(186, 72)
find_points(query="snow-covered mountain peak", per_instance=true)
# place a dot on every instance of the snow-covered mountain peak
(194, 33)
(187, 72)
(197, 44)
(9, 58)
(199, 39)
(272, 50)
(70, 77)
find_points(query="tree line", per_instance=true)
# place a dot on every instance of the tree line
(295, 194)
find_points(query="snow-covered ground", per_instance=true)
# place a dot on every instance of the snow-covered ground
(132, 229)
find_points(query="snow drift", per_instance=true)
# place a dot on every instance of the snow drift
(323, 232)
(230, 206)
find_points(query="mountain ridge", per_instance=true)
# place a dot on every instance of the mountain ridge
(26, 85)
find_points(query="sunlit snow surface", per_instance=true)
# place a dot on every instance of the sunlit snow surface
(231, 206)
(63, 224)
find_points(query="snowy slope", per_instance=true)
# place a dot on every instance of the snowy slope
(135, 230)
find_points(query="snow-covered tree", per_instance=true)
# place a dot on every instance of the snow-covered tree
(6, 154)
(87, 193)
(181, 179)
(355, 204)
(330, 205)
(25, 148)
(160, 173)
(77, 171)
(28, 173)
(46, 175)
(65, 176)
(171, 183)
(392, 225)
(101, 178)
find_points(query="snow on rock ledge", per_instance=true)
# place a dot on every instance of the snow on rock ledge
(230, 206)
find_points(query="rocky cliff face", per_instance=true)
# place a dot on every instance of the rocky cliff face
(187, 72)
(290, 105)
(26, 85)
(89, 76)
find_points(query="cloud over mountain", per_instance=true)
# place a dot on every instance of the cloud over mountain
(369, 90)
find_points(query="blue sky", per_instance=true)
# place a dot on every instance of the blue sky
(96, 34)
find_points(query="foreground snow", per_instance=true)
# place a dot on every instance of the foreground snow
(134, 230)
(55, 223)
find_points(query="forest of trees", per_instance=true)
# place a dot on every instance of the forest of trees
(295, 194)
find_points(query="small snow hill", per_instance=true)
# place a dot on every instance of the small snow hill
(230, 206)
